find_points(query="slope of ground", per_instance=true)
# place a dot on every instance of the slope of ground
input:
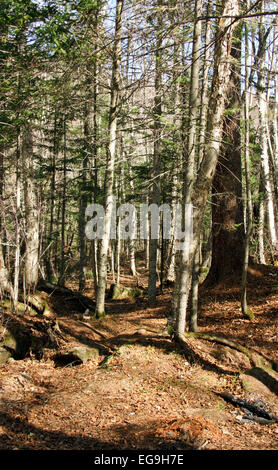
(142, 391)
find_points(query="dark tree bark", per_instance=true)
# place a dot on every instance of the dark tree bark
(227, 208)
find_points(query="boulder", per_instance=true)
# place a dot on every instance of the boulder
(76, 355)
(15, 340)
(5, 355)
(118, 292)
(84, 353)
(260, 382)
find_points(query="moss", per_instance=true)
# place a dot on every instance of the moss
(99, 315)
(84, 353)
(118, 292)
(75, 356)
(5, 355)
(15, 339)
(8, 340)
(249, 314)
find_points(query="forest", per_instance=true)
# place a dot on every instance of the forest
(138, 224)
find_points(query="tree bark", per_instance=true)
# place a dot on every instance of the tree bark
(227, 208)
(198, 194)
(110, 162)
(183, 281)
(155, 196)
(249, 206)
(31, 257)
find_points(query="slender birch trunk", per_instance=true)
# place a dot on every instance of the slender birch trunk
(183, 280)
(110, 162)
(263, 117)
(205, 82)
(5, 284)
(17, 226)
(155, 196)
(177, 163)
(132, 241)
(31, 257)
(87, 132)
(95, 159)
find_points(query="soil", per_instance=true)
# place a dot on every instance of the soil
(143, 391)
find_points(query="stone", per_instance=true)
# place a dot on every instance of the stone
(5, 355)
(84, 353)
(118, 292)
(16, 340)
(260, 382)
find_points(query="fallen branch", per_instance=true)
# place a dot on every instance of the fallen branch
(84, 302)
(255, 407)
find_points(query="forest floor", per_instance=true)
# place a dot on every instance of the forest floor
(143, 392)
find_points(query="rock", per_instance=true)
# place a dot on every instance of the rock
(260, 382)
(75, 356)
(8, 339)
(117, 292)
(141, 331)
(15, 339)
(87, 315)
(84, 353)
(21, 307)
(38, 304)
(5, 355)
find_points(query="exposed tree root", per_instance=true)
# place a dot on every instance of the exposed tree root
(255, 359)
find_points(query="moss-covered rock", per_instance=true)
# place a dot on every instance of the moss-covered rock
(16, 340)
(38, 303)
(32, 305)
(21, 307)
(76, 355)
(5, 355)
(8, 339)
(84, 353)
(118, 292)
(260, 380)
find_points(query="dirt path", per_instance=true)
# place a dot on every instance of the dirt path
(143, 393)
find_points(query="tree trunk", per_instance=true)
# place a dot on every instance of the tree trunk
(205, 82)
(61, 280)
(155, 196)
(50, 272)
(87, 131)
(249, 207)
(268, 191)
(183, 281)
(227, 208)
(110, 162)
(219, 91)
(31, 256)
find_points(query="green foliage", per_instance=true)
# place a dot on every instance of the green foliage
(90, 274)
